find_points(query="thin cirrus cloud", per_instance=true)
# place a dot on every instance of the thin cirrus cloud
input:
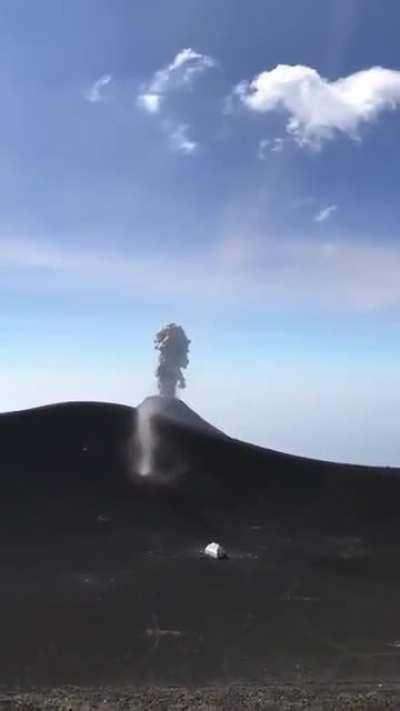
(95, 93)
(324, 214)
(320, 109)
(351, 276)
(181, 73)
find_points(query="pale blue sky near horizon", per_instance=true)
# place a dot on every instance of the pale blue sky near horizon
(230, 166)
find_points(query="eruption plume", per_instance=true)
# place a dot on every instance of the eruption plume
(155, 455)
(173, 345)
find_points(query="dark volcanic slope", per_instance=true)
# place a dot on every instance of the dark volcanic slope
(103, 580)
(61, 444)
(89, 448)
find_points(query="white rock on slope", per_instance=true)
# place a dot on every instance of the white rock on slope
(215, 550)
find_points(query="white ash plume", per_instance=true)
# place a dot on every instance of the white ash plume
(173, 345)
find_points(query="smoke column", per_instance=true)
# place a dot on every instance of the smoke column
(173, 345)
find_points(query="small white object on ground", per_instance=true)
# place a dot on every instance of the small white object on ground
(101, 518)
(215, 550)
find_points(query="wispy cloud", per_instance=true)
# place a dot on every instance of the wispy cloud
(180, 141)
(267, 145)
(149, 102)
(94, 94)
(320, 109)
(325, 213)
(179, 74)
(277, 145)
(263, 148)
(274, 273)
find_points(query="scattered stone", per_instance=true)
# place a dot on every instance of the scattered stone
(215, 550)
(238, 696)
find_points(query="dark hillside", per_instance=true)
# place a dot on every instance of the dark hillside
(103, 578)
(88, 449)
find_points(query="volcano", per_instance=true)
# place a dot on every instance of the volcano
(178, 413)
(102, 569)
(90, 449)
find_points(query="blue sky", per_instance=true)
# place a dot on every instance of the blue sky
(230, 166)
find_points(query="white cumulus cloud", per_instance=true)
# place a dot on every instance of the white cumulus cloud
(325, 213)
(179, 74)
(94, 94)
(318, 108)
